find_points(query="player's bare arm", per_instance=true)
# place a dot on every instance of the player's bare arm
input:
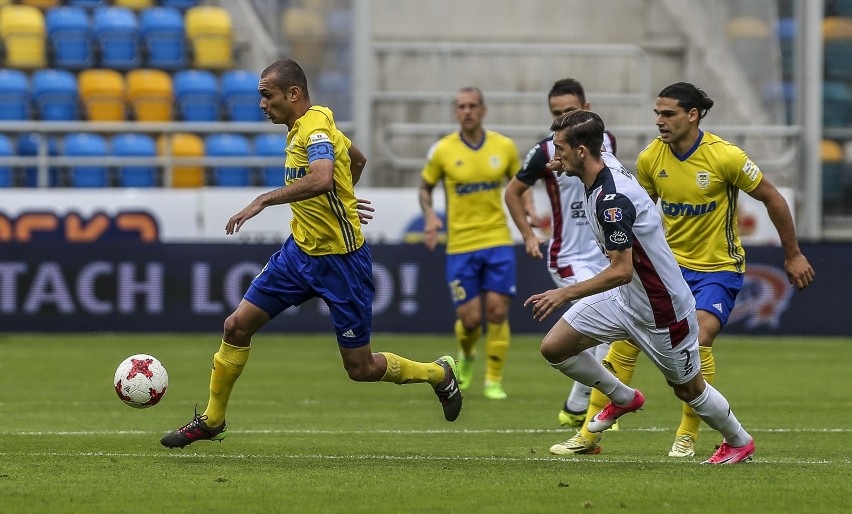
(618, 273)
(319, 181)
(514, 197)
(431, 221)
(796, 265)
(357, 163)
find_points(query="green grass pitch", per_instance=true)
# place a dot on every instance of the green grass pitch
(303, 438)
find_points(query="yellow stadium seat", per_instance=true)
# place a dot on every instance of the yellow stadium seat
(747, 27)
(136, 5)
(837, 27)
(42, 4)
(831, 151)
(209, 30)
(150, 95)
(23, 33)
(304, 30)
(102, 93)
(184, 145)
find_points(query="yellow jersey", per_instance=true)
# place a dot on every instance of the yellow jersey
(328, 223)
(473, 177)
(698, 197)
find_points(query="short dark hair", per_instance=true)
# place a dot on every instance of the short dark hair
(288, 73)
(568, 86)
(584, 128)
(688, 97)
(472, 89)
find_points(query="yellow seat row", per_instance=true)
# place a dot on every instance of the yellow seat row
(105, 95)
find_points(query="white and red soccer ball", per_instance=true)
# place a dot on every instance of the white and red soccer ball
(141, 381)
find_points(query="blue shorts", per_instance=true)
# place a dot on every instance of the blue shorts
(470, 273)
(715, 291)
(344, 282)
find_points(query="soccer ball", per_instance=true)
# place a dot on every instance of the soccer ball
(141, 381)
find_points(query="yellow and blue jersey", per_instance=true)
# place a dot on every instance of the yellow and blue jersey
(473, 179)
(698, 195)
(325, 224)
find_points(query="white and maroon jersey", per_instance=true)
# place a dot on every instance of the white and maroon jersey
(572, 245)
(622, 215)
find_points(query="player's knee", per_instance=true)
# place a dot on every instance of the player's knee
(553, 350)
(358, 372)
(690, 390)
(234, 333)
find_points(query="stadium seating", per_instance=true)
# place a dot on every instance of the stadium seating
(240, 98)
(304, 30)
(833, 179)
(209, 30)
(786, 32)
(42, 4)
(140, 145)
(7, 178)
(271, 145)
(196, 95)
(183, 145)
(22, 30)
(837, 41)
(837, 104)
(14, 95)
(229, 145)
(86, 145)
(164, 38)
(55, 95)
(150, 95)
(116, 33)
(179, 4)
(102, 93)
(136, 5)
(27, 145)
(70, 36)
(88, 4)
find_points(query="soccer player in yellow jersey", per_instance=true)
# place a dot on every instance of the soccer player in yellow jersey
(697, 176)
(325, 257)
(474, 165)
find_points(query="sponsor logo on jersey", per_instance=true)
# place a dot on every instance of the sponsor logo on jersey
(718, 307)
(751, 169)
(618, 237)
(612, 215)
(703, 179)
(349, 333)
(663, 174)
(294, 173)
(318, 138)
(475, 187)
(686, 209)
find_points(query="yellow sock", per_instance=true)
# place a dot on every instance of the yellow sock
(228, 364)
(403, 371)
(467, 339)
(621, 362)
(689, 421)
(496, 346)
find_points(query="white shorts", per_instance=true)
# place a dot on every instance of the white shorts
(580, 272)
(673, 349)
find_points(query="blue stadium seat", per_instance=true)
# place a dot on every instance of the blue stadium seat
(196, 95)
(86, 144)
(179, 4)
(271, 145)
(138, 145)
(164, 38)
(14, 95)
(55, 95)
(229, 145)
(240, 97)
(88, 4)
(70, 36)
(27, 145)
(6, 177)
(117, 35)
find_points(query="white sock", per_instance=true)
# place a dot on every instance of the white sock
(587, 370)
(715, 410)
(578, 398)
